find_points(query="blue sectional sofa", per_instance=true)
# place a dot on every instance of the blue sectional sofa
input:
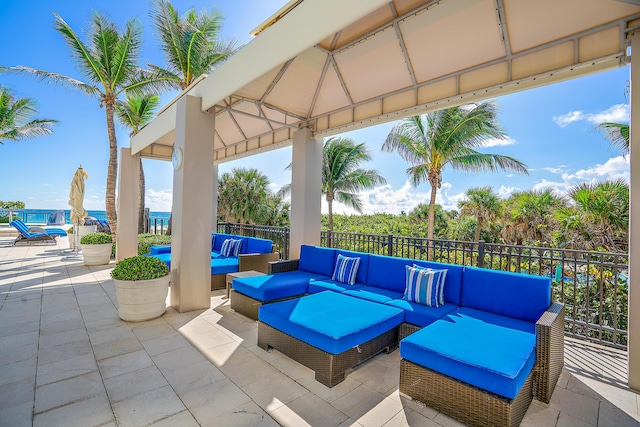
(494, 333)
(255, 254)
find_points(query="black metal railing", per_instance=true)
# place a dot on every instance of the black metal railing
(278, 235)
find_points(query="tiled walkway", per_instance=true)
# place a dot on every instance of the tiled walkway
(67, 360)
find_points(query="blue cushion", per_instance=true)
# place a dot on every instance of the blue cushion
(224, 265)
(420, 314)
(160, 249)
(258, 246)
(363, 269)
(219, 238)
(498, 320)
(231, 247)
(375, 294)
(330, 321)
(453, 282)
(487, 356)
(521, 296)
(425, 286)
(316, 286)
(213, 241)
(346, 269)
(387, 272)
(164, 257)
(275, 286)
(315, 259)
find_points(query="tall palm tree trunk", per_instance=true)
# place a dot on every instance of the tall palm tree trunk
(112, 170)
(478, 228)
(330, 204)
(141, 187)
(432, 214)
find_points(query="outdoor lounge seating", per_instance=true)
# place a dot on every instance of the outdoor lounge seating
(25, 236)
(52, 231)
(253, 254)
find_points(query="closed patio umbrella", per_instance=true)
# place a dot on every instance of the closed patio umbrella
(76, 200)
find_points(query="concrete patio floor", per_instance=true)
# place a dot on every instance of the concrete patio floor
(66, 359)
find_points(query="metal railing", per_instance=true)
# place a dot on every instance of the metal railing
(278, 235)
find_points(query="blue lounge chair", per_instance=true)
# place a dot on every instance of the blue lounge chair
(21, 226)
(25, 236)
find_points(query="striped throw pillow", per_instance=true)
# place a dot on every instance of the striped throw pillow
(425, 286)
(230, 247)
(346, 269)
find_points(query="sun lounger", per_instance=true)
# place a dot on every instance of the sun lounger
(21, 226)
(25, 236)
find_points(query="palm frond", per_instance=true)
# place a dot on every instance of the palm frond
(478, 162)
(617, 134)
(58, 79)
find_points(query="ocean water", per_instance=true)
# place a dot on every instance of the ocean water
(40, 216)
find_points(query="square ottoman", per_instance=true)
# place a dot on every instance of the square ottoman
(329, 332)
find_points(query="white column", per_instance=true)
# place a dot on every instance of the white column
(192, 204)
(306, 191)
(214, 217)
(634, 220)
(128, 197)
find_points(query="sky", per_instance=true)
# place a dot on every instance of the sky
(551, 129)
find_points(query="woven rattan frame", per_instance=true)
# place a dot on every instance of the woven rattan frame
(407, 329)
(462, 401)
(248, 306)
(283, 265)
(246, 262)
(549, 351)
(330, 368)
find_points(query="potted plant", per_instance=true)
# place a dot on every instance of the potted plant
(96, 248)
(142, 285)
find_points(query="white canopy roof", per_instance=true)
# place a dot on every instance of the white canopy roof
(335, 65)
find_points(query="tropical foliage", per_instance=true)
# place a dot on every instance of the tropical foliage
(16, 122)
(452, 137)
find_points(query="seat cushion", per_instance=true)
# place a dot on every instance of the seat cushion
(420, 314)
(453, 281)
(491, 357)
(275, 286)
(387, 272)
(316, 286)
(521, 296)
(166, 258)
(316, 259)
(330, 321)
(224, 265)
(372, 293)
(160, 249)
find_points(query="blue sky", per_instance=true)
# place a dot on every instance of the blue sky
(551, 129)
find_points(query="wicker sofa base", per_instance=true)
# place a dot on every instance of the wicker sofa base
(407, 329)
(330, 368)
(248, 306)
(464, 402)
(218, 281)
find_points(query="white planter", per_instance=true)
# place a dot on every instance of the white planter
(140, 300)
(97, 254)
(81, 230)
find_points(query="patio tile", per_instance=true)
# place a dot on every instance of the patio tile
(291, 368)
(576, 405)
(133, 383)
(308, 410)
(13, 328)
(221, 355)
(61, 326)
(102, 324)
(565, 420)
(325, 393)
(125, 363)
(274, 391)
(360, 401)
(540, 414)
(18, 371)
(15, 394)
(116, 348)
(206, 403)
(182, 419)
(248, 414)
(157, 330)
(164, 344)
(381, 413)
(447, 421)
(247, 370)
(62, 338)
(112, 334)
(408, 417)
(611, 416)
(68, 391)
(18, 340)
(17, 416)
(376, 376)
(66, 368)
(177, 359)
(193, 376)
(212, 338)
(148, 407)
(95, 411)
(61, 352)
(17, 354)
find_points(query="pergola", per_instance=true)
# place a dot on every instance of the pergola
(321, 67)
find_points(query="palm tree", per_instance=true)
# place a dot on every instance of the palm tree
(432, 141)
(242, 195)
(108, 62)
(190, 43)
(135, 112)
(15, 118)
(483, 204)
(617, 134)
(530, 217)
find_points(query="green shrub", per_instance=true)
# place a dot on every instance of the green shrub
(4, 219)
(145, 241)
(96, 239)
(139, 268)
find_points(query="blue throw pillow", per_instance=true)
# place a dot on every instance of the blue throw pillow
(346, 269)
(425, 286)
(230, 247)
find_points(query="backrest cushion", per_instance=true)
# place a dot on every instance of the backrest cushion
(387, 272)
(521, 296)
(346, 269)
(219, 240)
(425, 286)
(316, 259)
(363, 269)
(231, 247)
(453, 282)
(258, 246)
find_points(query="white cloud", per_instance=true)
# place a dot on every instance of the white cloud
(568, 118)
(506, 191)
(559, 187)
(559, 170)
(616, 113)
(495, 142)
(159, 201)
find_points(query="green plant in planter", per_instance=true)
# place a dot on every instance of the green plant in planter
(96, 239)
(139, 268)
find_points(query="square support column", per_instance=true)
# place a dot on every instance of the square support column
(306, 191)
(128, 198)
(214, 217)
(192, 207)
(634, 219)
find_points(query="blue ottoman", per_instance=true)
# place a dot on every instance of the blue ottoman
(329, 332)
